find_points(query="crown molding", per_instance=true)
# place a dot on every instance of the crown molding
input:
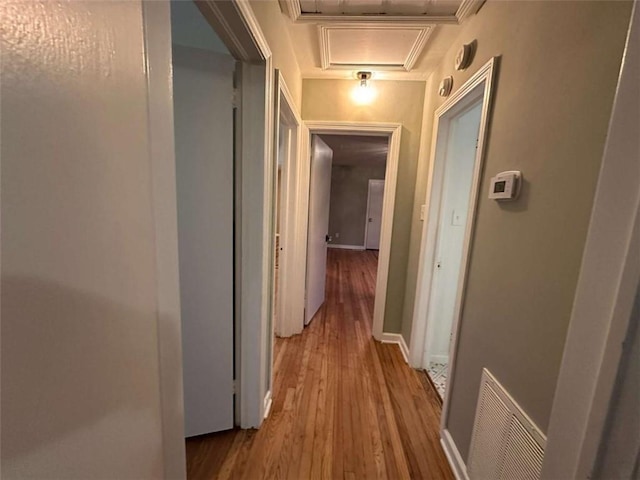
(466, 9)
(293, 9)
(378, 19)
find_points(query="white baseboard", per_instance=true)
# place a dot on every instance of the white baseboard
(267, 404)
(346, 247)
(440, 358)
(399, 340)
(453, 456)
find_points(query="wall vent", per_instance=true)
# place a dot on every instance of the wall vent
(505, 443)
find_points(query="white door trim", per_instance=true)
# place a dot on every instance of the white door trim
(157, 36)
(393, 131)
(480, 85)
(366, 220)
(237, 25)
(288, 310)
(605, 291)
(458, 466)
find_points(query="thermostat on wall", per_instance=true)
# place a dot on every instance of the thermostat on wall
(506, 185)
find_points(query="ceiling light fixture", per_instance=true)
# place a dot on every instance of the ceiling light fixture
(364, 77)
(364, 93)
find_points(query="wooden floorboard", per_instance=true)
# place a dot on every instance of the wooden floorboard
(344, 405)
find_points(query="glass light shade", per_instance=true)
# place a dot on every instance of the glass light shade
(363, 94)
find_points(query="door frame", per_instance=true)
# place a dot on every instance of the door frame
(237, 26)
(480, 85)
(286, 324)
(366, 222)
(393, 132)
(435, 213)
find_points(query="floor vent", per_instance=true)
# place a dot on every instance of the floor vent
(505, 444)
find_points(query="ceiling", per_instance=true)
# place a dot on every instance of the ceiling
(358, 45)
(395, 39)
(358, 150)
(386, 7)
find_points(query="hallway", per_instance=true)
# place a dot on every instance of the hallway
(345, 406)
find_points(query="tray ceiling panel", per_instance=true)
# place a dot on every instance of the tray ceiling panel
(382, 7)
(324, 52)
(426, 11)
(391, 47)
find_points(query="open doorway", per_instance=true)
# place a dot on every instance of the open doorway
(235, 24)
(344, 210)
(288, 129)
(459, 164)
(219, 84)
(457, 155)
(353, 214)
(203, 85)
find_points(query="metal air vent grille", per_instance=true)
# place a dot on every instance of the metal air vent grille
(505, 443)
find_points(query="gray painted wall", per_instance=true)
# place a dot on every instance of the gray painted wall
(526, 255)
(348, 210)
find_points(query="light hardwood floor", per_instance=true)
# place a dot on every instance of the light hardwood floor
(344, 405)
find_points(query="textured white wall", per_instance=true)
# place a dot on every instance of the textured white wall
(80, 380)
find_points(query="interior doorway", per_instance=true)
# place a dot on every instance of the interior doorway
(203, 86)
(459, 162)
(219, 76)
(253, 163)
(345, 206)
(457, 154)
(287, 133)
(337, 214)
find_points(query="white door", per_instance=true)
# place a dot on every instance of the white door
(203, 117)
(319, 197)
(374, 215)
(458, 176)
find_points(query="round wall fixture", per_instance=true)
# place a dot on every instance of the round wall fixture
(446, 85)
(463, 57)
